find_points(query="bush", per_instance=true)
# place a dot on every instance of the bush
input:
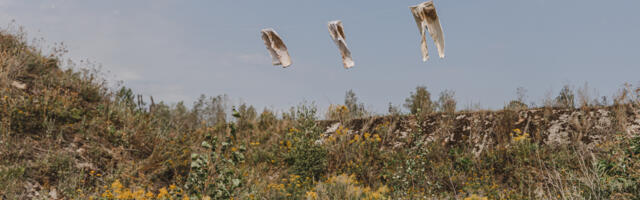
(516, 105)
(211, 110)
(266, 119)
(355, 108)
(345, 187)
(247, 117)
(566, 98)
(420, 101)
(447, 102)
(308, 160)
(352, 109)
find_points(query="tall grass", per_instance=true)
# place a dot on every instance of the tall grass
(69, 136)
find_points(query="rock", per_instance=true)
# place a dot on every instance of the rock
(333, 128)
(19, 85)
(53, 194)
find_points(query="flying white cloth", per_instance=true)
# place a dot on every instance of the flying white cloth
(425, 15)
(337, 34)
(277, 49)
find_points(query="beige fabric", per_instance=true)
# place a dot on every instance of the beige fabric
(277, 49)
(337, 34)
(425, 16)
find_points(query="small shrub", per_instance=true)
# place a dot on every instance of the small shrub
(266, 119)
(516, 105)
(420, 101)
(355, 108)
(345, 187)
(338, 112)
(447, 102)
(352, 109)
(307, 159)
(565, 98)
(247, 117)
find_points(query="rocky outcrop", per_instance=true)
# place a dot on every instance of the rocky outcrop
(485, 129)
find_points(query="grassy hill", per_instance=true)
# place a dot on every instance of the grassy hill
(64, 134)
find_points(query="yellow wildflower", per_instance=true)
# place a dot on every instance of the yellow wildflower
(517, 131)
(344, 109)
(233, 149)
(163, 193)
(138, 194)
(125, 195)
(149, 195)
(116, 185)
(172, 187)
(376, 195)
(475, 197)
(107, 194)
(383, 189)
(312, 195)
(376, 137)
(521, 137)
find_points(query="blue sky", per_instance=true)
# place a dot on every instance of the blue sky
(177, 50)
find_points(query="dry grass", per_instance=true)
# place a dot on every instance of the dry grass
(69, 136)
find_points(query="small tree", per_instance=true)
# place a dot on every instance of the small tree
(394, 110)
(267, 119)
(521, 92)
(566, 98)
(516, 105)
(420, 101)
(356, 109)
(211, 110)
(519, 103)
(247, 116)
(447, 102)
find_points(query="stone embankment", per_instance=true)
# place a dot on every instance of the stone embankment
(483, 129)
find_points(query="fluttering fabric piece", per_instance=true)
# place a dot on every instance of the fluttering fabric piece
(336, 30)
(425, 16)
(277, 49)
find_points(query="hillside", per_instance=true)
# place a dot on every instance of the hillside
(65, 135)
